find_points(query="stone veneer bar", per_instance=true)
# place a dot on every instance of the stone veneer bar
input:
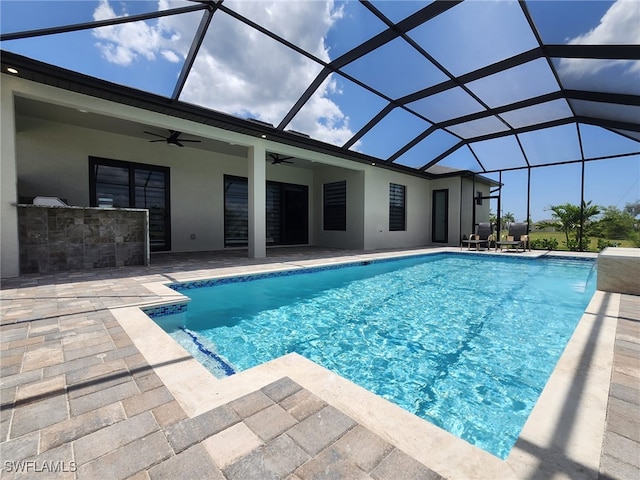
(619, 270)
(58, 239)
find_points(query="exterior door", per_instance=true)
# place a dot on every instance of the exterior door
(440, 216)
(287, 213)
(134, 185)
(295, 214)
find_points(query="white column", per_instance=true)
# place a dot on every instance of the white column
(9, 247)
(257, 201)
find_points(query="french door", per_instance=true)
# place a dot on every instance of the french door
(287, 213)
(134, 185)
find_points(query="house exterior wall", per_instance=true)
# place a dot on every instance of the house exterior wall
(53, 160)
(469, 204)
(353, 236)
(376, 217)
(297, 176)
(454, 185)
(9, 251)
(49, 158)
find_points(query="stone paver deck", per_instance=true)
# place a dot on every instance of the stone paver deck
(79, 400)
(621, 447)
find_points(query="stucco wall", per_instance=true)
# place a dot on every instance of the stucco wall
(418, 210)
(469, 204)
(9, 250)
(452, 184)
(353, 236)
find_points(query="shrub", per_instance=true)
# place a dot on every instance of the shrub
(574, 245)
(602, 244)
(544, 244)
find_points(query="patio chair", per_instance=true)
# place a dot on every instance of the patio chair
(516, 237)
(483, 235)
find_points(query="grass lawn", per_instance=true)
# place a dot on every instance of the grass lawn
(559, 236)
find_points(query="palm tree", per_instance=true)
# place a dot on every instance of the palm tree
(572, 219)
(506, 218)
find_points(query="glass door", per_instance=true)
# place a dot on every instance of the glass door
(132, 185)
(150, 193)
(295, 214)
(440, 217)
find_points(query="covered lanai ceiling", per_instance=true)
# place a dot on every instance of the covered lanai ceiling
(474, 85)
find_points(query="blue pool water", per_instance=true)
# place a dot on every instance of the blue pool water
(462, 341)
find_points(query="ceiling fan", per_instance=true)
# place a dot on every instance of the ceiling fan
(277, 159)
(172, 139)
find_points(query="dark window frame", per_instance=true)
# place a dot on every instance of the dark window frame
(334, 206)
(397, 207)
(132, 167)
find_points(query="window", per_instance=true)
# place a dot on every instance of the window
(134, 185)
(335, 206)
(397, 207)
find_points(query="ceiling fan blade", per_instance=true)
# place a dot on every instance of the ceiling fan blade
(155, 134)
(178, 143)
(160, 140)
(277, 159)
(194, 141)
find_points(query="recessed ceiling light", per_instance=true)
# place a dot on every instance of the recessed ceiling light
(373, 163)
(12, 70)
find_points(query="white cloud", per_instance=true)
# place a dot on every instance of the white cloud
(123, 44)
(239, 70)
(322, 118)
(620, 25)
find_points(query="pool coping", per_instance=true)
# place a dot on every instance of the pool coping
(563, 434)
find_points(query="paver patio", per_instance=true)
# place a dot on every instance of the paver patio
(79, 400)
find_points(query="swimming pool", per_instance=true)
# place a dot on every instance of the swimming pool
(463, 341)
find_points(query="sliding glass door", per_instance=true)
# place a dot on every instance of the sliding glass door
(287, 213)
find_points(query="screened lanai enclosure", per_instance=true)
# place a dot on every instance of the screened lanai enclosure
(540, 100)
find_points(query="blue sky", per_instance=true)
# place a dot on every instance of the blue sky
(247, 74)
